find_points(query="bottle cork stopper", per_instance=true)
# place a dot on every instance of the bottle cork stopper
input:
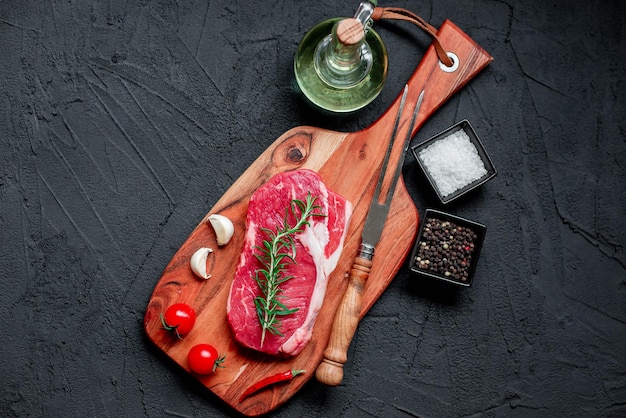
(350, 31)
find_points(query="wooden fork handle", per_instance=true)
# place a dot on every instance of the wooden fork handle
(330, 370)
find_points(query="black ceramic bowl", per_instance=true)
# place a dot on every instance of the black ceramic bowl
(447, 248)
(430, 169)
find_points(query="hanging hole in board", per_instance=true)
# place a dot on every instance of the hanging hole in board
(455, 63)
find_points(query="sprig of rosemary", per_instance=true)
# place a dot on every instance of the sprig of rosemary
(275, 254)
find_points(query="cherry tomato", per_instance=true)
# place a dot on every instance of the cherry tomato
(179, 318)
(204, 359)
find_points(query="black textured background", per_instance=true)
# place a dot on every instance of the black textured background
(123, 122)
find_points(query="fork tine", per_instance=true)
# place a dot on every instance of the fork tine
(407, 140)
(392, 140)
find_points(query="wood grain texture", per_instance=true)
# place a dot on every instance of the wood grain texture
(349, 164)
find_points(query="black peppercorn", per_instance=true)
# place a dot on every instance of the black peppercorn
(446, 249)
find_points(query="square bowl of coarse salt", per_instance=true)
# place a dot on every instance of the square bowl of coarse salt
(447, 248)
(454, 161)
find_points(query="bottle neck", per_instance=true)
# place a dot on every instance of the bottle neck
(343, 58)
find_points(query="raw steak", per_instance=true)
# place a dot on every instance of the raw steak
(318, 249)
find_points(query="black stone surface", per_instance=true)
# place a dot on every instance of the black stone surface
(123, 122)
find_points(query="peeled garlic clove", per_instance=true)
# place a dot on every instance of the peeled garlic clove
(224, 228)
(198, 262)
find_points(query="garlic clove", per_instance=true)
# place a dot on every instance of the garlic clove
(198, 262)
(224, 228)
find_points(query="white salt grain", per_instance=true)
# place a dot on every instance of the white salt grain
(453, 162)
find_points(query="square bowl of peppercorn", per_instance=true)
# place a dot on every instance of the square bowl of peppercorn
(454, 161)
(447, 248)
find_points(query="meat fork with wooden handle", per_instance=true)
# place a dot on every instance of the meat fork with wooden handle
(330, 370)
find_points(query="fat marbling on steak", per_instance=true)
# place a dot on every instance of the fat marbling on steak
(318, 248)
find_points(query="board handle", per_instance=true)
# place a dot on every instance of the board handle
(330, 370)
(440, 81)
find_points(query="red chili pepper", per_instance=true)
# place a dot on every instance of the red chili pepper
(270, 380)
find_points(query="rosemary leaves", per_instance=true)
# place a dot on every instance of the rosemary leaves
(275, 254)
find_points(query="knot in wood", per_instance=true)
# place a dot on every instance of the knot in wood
(295, 155)
(362, 152)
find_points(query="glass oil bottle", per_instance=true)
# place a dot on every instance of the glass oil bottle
(341, 63)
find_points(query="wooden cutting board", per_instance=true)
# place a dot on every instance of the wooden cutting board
(349, 164)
